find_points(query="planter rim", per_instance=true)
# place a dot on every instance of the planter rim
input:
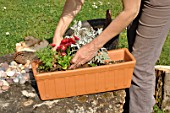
(81, 71)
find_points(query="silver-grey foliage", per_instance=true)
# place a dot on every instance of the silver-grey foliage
(86, 35)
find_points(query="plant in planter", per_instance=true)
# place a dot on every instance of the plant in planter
(60, 84)
(47, 58)
(51, 60)
(60, 59)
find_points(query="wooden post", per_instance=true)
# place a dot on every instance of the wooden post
(162, 93)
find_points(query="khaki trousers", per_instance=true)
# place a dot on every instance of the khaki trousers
(146, 36)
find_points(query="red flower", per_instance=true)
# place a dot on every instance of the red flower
(63, 47)
(58, 48)
(68, 44)
(64, 41)
(72, 40)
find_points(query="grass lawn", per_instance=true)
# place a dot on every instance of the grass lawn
(38, 18)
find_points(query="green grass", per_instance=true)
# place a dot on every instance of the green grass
(158, 110)
(39, 18)
(165, 55)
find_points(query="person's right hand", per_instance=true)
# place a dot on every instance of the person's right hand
(83, 55)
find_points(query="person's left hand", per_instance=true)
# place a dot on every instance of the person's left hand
(83, 55)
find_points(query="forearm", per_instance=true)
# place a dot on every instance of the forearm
(115, 27)
(71, 9)
(118, 24)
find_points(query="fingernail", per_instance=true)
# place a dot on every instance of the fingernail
(71, 67)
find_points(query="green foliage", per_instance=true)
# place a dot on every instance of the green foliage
(93, 65)
(64, 61)
(158, 110)
(47, 57)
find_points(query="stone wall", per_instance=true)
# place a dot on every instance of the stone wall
(24, 98)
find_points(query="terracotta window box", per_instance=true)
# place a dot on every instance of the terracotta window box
(61, 84)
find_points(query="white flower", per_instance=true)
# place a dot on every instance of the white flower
(94, 6)
(4, 7)
(7, 33)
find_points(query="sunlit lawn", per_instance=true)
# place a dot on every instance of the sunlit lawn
(38, 18)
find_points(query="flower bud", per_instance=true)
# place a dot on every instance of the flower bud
(63, 54)
(76, 38)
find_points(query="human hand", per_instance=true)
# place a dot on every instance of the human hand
(56, 40)
(83, 55)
